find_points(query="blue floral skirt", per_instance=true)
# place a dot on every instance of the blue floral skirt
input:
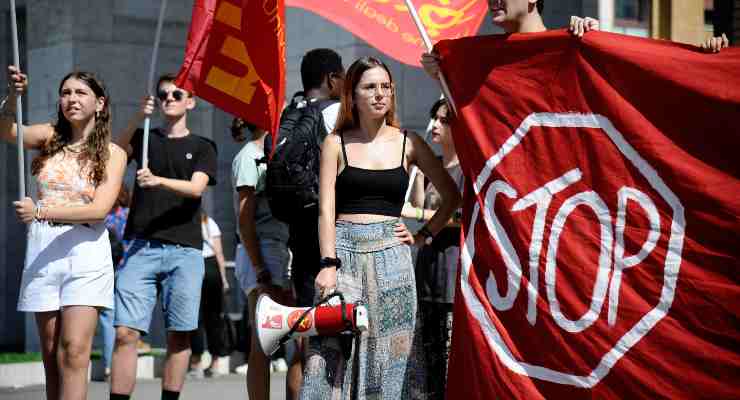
(376, 269)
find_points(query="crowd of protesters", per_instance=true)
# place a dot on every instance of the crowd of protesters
(163, 246)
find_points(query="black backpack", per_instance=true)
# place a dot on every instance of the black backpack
(292, 177)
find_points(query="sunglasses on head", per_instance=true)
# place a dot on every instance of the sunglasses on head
(176, 94)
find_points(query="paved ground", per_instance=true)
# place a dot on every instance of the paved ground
(223, 388)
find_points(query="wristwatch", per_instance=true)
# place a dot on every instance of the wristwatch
(426, 234)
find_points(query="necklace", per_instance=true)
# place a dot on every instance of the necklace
(76, 148)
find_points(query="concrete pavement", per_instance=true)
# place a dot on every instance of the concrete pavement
(228, 387)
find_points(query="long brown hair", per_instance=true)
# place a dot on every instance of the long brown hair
(348, 117)
(96, 146)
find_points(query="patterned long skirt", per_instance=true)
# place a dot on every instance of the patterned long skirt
(376, 269)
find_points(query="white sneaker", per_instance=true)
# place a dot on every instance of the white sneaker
(242, 369)
(279, 365)
(195, 373)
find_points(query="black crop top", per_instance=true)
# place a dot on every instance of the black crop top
(371, 191)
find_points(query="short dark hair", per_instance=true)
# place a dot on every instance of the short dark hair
(238, 125)
(317, 64)
(436, 106)
(540, 6)
(169, 77)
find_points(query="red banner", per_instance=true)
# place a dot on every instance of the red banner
(602, 222)
(387, 24)
(235, 58)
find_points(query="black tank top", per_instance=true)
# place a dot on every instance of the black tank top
(371, 191)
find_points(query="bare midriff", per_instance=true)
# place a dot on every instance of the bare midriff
(364, 218)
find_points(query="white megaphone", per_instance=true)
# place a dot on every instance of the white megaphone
(277, 323)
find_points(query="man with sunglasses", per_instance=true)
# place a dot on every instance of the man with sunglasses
(164, 229)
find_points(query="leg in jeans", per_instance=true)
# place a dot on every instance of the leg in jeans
(75, 342)
(197, 338)
(181, 287)
(109, 336)
(136, 296)
(48, 324)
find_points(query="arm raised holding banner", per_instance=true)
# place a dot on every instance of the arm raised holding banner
(715, 44)
(78, 174)
(80, 125)
(34, 135)
(165, 209)
(516, 16)
(124, 137)
(174, 103)
(144, 176)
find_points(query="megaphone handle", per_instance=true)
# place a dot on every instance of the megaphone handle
(284, 339)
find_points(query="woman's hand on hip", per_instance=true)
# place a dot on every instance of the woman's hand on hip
(402, 234)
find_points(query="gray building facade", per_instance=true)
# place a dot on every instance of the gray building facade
(113, 38)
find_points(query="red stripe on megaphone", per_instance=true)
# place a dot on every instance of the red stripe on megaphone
(329, 319)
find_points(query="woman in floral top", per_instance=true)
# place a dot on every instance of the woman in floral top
(68, 273)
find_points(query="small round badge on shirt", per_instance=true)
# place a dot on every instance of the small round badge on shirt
(189, 156)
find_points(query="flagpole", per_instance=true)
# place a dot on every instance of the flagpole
(18, 108)
(428, 44)
(150, 83)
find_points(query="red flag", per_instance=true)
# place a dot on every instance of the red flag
(387, 24)
(602, 223)
(235, 58)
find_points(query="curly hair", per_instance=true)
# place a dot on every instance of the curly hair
(348, 116)
(96, 148)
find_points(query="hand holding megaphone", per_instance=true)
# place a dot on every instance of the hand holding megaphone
(276, 324)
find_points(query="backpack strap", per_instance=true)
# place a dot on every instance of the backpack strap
(403, 148)
(344, 150)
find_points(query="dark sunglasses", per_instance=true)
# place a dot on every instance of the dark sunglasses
(176, 94)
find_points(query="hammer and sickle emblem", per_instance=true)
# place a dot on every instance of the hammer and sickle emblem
(438, 18)
(240, 87)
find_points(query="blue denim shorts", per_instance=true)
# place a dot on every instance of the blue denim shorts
(152, 268)
(276, 258)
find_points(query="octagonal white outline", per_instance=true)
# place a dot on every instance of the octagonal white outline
(670, 273)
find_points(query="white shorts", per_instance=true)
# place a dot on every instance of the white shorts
(66, 265)
(276, 257)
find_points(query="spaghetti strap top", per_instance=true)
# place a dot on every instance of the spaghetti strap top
(62, 181)
(371, 191)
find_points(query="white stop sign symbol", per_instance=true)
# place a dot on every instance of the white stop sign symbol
(613, 259)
